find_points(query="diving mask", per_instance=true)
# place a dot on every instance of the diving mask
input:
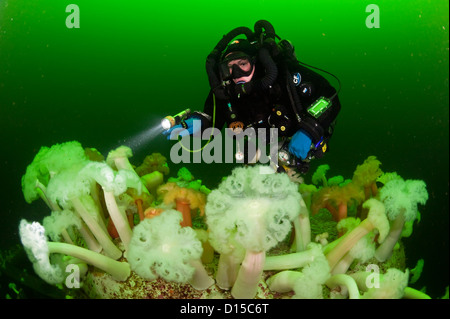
(236, 65)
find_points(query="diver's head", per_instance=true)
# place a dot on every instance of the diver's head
(238, 61)
(240, 69)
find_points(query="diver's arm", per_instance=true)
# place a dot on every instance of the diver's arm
(312, 87)
(197, 122)
(323, 125)
(324, 89)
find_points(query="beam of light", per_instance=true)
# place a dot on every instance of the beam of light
(143, 138)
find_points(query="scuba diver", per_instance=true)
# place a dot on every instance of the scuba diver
(257, 82)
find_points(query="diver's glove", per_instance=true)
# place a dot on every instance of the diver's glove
(300, 144)
(190, 126)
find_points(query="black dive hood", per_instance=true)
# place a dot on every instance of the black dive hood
(264, 40)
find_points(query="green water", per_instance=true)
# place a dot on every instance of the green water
(132, 62)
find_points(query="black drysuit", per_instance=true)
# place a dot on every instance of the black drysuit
(259, 108)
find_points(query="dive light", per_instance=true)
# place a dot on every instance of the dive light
(170, 121)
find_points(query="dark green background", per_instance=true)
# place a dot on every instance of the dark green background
(133, 62)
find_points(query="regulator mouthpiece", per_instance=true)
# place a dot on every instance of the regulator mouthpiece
(170, 121)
